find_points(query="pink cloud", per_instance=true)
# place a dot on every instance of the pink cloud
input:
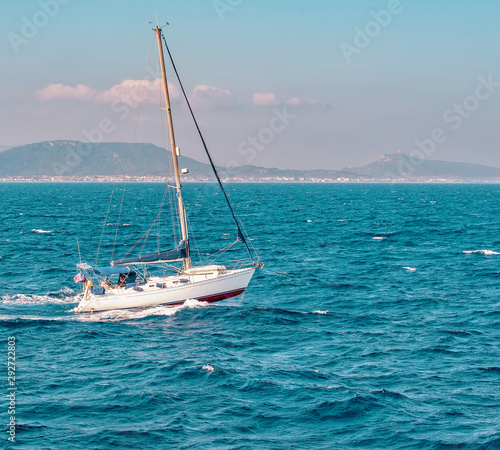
(294, 101)
(264, 99)
(59, 91)
(129, 92)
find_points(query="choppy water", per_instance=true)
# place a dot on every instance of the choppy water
(374, 324)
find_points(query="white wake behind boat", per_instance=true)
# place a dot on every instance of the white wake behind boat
(167, 277)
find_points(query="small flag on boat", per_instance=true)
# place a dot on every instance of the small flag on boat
(79, 278)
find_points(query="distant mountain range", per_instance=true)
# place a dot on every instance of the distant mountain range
(77, 160)
(403, 166)
(81, 159)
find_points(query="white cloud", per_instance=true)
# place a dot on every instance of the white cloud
(129, 92)
(264, 99)
(204, 96)
(132, 92)
(59, 91)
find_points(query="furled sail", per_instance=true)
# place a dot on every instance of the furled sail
(174, 254)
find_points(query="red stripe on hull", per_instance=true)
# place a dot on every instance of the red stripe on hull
(216, 298)
(213, 298)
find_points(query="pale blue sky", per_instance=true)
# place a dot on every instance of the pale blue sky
(253, 62)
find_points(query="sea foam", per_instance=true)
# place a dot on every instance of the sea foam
(63, 296)
(484, 252)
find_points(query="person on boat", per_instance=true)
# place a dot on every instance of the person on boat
(122, 281)
(107, 283)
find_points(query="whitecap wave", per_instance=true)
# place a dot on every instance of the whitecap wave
(484, 252)
(118, 315)
(410, 269)
(8, 318)
(42, 231)
(320, 312)
(379, 238)
(208, 368)
(63, 296)
(191, 303)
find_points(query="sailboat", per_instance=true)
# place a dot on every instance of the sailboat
(166, 277)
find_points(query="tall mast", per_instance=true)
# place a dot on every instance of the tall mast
(182, 211)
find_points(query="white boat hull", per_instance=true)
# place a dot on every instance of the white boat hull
(229, 284)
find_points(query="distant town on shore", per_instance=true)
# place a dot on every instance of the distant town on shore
(75, 161)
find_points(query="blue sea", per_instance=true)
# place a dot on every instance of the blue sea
(374, 324)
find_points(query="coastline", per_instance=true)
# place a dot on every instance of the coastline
(276, 180)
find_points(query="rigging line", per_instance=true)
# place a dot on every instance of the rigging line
(118, 170)
(172, 212)
(104, 224)
(170, 267)
(146, 234)
(109, 204)
(158, 237)
(194, 238)
(158, 220)
(147, 65)
(173, 204)
(223, 250)
(240, 234)
(145, 240)
(79, 254)
(251, 243)
(169, 168)
(136, 243)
